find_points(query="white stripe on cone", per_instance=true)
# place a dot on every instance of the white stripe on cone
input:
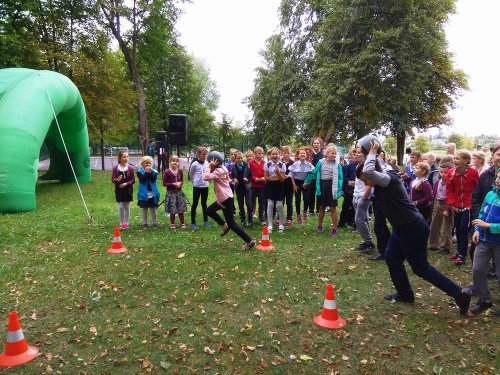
(330, 304)
(265, 237)
(117, 239)
(15, 336)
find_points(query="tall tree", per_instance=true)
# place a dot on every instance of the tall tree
(372, 65)
(126, 21)
(277, 93)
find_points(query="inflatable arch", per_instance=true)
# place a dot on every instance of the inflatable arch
(26, 121)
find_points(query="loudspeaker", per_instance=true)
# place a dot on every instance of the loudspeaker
(161, 139)
(178, 129)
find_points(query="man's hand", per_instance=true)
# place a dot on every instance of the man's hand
(374, 148)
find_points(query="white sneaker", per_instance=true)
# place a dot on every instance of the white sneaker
(269, 229)
(281, 229)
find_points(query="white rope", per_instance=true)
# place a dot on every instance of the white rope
(89, 217)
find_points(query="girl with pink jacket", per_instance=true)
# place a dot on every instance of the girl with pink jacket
(218, 173)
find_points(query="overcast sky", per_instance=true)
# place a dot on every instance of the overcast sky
(228, 35)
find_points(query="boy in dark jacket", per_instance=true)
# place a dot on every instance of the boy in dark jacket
(242, 182)
(347, 213)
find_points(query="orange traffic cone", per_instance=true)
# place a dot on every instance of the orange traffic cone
(17, 350)
(117, 246)
(329, 318)
(265, 243)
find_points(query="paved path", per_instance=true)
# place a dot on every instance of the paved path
(109, 163)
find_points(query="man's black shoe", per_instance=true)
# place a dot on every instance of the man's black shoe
(376, 257)
(480, 306)
(397, 297)
(463, 302)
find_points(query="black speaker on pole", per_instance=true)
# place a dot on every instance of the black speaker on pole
(178, 128)
(161, 139)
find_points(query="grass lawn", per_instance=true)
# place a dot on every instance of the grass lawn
(183, 302)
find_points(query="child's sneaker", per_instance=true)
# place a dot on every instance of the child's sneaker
(183, 226)
(299, 219)
(453, 256)
(145, 226)
(281, 229)
(459, 261)
(194, 226)
(320, 229)
(305, 216)
(270, 229)
(333, 231)
(289, 223)
(207, 224)
(154, 225)
(480, 306)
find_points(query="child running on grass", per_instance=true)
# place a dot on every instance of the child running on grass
(175, 203)
(123, 177)
(328, 176)
(217, 173)
(148, 195)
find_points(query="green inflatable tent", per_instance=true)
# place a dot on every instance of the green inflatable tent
(26, 122)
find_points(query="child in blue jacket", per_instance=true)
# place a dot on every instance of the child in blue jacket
(487, 237)
(148, 195)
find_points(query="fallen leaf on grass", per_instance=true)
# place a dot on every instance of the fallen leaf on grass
(207, 350)
(33, 316)
(353, 267)
(165, 365)
(181, 255)
(62, 329)
(207, 366)
(305, 357)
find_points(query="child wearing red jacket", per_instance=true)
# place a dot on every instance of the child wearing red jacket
(460, 185)
(258, 183)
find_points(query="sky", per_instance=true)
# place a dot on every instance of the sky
(228, 35)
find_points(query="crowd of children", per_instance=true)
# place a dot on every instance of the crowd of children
(455, 195)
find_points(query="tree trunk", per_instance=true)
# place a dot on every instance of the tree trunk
(400, 148)
(130, 57)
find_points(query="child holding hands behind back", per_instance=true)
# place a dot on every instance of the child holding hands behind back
(175, 203)
(148, 195)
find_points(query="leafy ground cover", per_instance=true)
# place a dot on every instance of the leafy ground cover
(183, 302)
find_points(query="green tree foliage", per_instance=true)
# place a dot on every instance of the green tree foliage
(370, 66)
(390, 146)
(278, 88)
(456, 138)
(421, 144)
(101, 78)
(67, 36)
